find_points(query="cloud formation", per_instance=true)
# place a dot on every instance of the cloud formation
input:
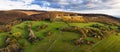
(86, 6)
(23, 4)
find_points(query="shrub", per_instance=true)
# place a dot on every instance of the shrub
(17, 34)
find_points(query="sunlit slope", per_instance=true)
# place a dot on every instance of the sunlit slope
(110, 44)
(61, 41)
(53, 39)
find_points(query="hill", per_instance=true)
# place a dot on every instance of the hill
(60, 36)
(12, 15)
(29, 12)
(53, 31)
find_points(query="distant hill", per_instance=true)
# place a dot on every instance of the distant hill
(12, 15)
(76, 17)
(29, 12)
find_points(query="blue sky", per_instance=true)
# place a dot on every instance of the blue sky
(111, 7)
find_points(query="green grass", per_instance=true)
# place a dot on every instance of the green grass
(58, 42)
(64, 43)
(84, 24)
(2, 38)
(110, 44)
(61, 41)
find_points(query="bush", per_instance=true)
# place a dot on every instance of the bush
(17, 35)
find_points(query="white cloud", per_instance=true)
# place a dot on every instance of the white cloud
(85, 6)
(24, 4)
(114, 12)
(111, 7)
(27, 1)
(20, 4)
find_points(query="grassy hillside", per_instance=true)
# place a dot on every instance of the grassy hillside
(53, 39)
(110, 44)
(52, 31)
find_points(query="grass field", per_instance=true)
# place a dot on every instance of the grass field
(2, 38)
(62, 41)
(110, 44)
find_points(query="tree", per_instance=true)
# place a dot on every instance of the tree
(118, 28)
(96, 26)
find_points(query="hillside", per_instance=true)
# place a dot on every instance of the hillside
(52, 31)
(29, 12)
(12, 15)
(60, 37)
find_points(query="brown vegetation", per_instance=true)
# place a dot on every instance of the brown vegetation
(10, 16)
(11, 44)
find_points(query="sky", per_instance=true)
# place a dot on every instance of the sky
(111, 7)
